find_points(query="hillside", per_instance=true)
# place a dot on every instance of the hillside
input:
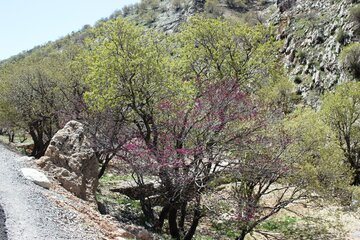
(315, 33)
(200, 119)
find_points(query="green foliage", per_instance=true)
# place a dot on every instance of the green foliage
(294, 228)
(123, 66)
(350, 60)
(355, 14)
(124, 62)
(342, 36)
(253, 18)
(279, 94)
(314, 229)
(238, 4)
(126, 10)
(320, 167)
(279, 225)
(213, 7)
(147, 11)
(126, 66)
(301, 56)
(228, 229)
(39, 91)
(341, 110)
(110, 179)
(355, 204)
(213, 49)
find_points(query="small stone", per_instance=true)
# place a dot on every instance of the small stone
(36, 176)
(26, 159)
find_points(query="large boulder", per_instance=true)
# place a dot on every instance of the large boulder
(71, 160)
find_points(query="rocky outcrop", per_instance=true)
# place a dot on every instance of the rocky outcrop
(71, 160)
(314, 34)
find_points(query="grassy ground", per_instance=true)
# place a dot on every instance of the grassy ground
(20, 143)
(303, 222)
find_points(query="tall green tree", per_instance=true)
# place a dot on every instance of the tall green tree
(189, 102)
(341, 110)
(40, 92)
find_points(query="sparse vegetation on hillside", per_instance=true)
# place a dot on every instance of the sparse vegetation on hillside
(350, 60)
(203, 122)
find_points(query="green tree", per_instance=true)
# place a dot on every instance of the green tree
(287, 163)
(40, 92)
(179, 93)
(213, 49)
(350, 60)
(341, 110)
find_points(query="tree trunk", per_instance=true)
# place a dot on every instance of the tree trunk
(195, 222)
(11, 136)
(37, 137)
(163, 215)
(357, 177)
(104, 166)
(182, 217)
(147, 211)
(242, 235)
(173, 227)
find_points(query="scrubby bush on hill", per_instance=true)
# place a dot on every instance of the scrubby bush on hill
(350, 60)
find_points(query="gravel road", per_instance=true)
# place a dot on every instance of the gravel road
(29, 213)
(3, 235)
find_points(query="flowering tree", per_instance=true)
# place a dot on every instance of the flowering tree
(189, 114)
(193, 146)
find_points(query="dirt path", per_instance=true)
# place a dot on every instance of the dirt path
(29, 212)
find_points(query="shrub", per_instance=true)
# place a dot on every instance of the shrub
(238, 4)
(126, 10)
(350, 60)
(212, 6)
(301, 56)
(355, 14)
(342, 36)
(177, 5)
(253, 18)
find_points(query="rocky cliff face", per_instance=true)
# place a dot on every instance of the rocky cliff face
(314, 34)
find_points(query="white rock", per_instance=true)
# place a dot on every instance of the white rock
(36, 176)
(26, 159)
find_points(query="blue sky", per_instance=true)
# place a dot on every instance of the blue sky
(28, 23)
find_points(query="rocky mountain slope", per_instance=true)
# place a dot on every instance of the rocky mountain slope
(314, 32)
